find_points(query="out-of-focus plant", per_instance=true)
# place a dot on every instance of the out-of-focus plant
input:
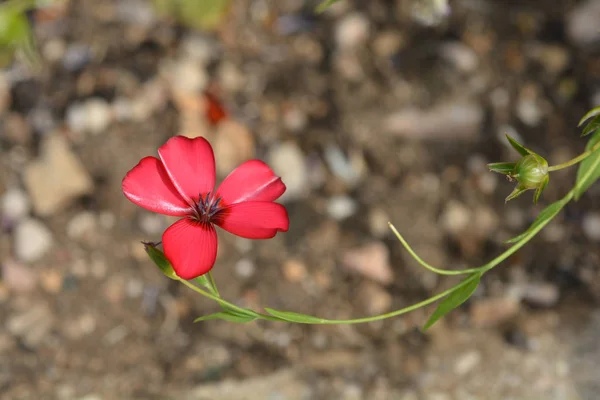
(198, 14)
(16, 36)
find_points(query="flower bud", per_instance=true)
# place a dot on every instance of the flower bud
(531, 171)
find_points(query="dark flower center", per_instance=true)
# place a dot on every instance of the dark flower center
(207, 208)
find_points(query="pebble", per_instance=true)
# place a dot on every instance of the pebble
(16, 129)
(18, 277)
(455, 121)
(341, 207)
(82, 226)
(57, 178)
(32, 240)
(186, 76)
(373, 298)
(461, 56)
(152, 224)
(245, 268)
(455, 218)
(233, 144)
(591, 226)
(294, 270)
(15, 204)
(582, 23)
(467, 362)
(430, 12)
(51, 280)
(287, 160)
(91, 116)
(352, 31)
(378, 223)
(388, 43)
(5, 97)
(33, 325)
(76, 57)
(544, 295)
(348, 168)
(493, 311)
(42, 120)
(371, 261)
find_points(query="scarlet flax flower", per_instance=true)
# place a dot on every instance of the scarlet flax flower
(181, 183)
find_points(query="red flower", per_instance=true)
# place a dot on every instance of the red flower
(181, 183)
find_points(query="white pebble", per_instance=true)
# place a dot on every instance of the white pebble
(15, 204)
(341, 207)
(591, 226)
(32, 240)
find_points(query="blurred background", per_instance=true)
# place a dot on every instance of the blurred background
(375, 111)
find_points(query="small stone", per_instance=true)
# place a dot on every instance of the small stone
(591, 226)
(528, 111)
(83, 226)
(554, 58)
(287, 160)
(544, 295)
(93, 116)
(32, 325)
(5, 97)
(454, 121)
(134, 288)
(294, 271)
(51, 280)
(233, 145)
(245, 268)
(186, 76)
(462, 57)
(107, 220)
(455, 218)
(467, 362)
(372, 261)
(16, 128)
(349, 169)
(388, 43)
(18, 277)
(341, 207)
(294, 119)
(76, 57)
(32, 240)
(42, 120)
(582, 23)
(374, 299)
(152, 224)
(352, 31)
(15, 204)
(56, 178)
(493, 311)
(231, 79)
(378, 223)
(54, 50)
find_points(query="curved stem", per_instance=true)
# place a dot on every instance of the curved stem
(222, 302)
(423, 263)
(575, 160)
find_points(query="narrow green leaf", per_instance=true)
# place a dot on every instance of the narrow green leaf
(592, 126)
(324, 5)
(455, 299)
(515, 193)
(226, 316)
(518, 146)
(585, 180)
(295, 317)
(505, 168)
(590, 114)
(540, 189)
(543, 218)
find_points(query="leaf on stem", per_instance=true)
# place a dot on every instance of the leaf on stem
(594, 112)
(295, 317)
(519, 147)
(543, 218)
(455, 299)
(208, 282)
(228, 315)
(585, 179)
(505, 168)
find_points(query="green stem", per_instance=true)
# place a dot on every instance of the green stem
(423, 263)
(575, 160)
(224, 303)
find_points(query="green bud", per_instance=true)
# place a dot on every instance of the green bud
(531, 171)
(161, 261)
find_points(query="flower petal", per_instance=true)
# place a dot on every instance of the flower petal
(190, 164)
(149, 186)
(252, 181)
(254, 219)
(191, 247)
